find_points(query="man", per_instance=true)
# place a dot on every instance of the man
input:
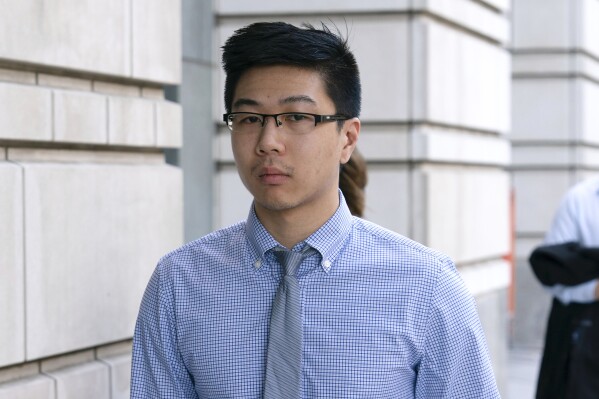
(567, 265)
(303, 300)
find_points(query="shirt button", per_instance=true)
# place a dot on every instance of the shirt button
(257, 264)
(327, 265)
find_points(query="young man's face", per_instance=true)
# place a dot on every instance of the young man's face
(288, 172)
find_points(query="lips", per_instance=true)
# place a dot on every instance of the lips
(272, 175)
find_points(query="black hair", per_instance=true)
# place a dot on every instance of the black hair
(280, 43)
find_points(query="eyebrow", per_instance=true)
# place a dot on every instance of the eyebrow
(298, 99)
(288, 100)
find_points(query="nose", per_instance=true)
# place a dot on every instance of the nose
(270, 138)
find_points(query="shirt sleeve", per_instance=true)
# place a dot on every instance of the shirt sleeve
(455, 361)
(581, 293)
(157, 369)
(564, 228)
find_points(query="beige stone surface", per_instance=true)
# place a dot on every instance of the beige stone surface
(89, 380)
(169, 124)
(231, 199)
(532, 19)
(12, 305)
(159, 23)
(538, 194)
(116, 89)
(80, 117)
(16, 76)
(461, 80)
(26, 112)
(76, 34)
(388, 201)
(63, 82)
(466, 212)
(95, 233)
(39, 387)
(541, 109)
(120, 375)
(131, 122)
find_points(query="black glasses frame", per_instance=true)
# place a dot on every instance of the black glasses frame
(317, 118)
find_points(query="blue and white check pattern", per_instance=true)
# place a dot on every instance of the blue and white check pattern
(383, 317)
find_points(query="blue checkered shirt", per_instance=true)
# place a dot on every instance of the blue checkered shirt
(383, 317)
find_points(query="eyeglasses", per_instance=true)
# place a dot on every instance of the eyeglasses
(292, 122)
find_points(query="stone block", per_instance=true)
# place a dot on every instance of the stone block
(14, 76)
(69, 360)
(587, 92)
(40, 387)
(88, 380)
(385, 94)
(541, 109)
(95, 233)
(169, 124)
(131, 122)
(80, 117)
(12, 306)
(453, 146)
(115, 350)
(385, 143)
(588, 12)
(538, 194)
(156, 30)
(471, 16)
(64, 82)
(541, 156)
(483, 278)
(19, 371)
(542, 24)
(155, 93)
(232, 200)
(460, 80)
(116, 89)
(84, 35)
(26, 112)
(466, 212)
(120, 376)
(388, 202)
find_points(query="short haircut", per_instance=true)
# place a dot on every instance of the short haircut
(280, 43)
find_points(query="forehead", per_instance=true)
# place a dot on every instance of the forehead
(280, 84)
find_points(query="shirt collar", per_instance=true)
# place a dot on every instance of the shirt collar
(327, 240)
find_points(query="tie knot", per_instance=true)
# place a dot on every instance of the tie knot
(291, 260)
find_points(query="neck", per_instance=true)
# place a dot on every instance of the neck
(291, 226)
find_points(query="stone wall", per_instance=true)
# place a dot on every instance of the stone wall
(87, 202)
(436, 111)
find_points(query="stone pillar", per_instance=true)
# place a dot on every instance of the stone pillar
(554, 139)
(436, 95)
(87, 203)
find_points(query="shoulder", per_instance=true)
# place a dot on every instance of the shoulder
(583, 189)
(375, 238)
(214, 245)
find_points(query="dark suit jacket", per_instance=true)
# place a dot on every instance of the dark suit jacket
(570, 366)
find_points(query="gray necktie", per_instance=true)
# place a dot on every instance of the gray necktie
(284, 357)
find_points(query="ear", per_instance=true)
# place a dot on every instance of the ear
(349, 133)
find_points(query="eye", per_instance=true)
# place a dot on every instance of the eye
(299, 118)
(249, 119)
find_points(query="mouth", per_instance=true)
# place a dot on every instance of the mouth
(270, 175)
